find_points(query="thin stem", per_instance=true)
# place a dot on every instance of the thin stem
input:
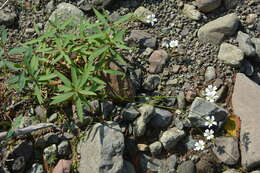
(4, 4)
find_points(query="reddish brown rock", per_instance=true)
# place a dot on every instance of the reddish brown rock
(246, 105)
(157, 61)
(63, 166)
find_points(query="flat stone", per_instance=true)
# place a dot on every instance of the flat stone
(102, 149)
(246, 101)
(142, 39)
(215, 31)
(191, 12)
(226, 150)
(186, 167)
(245, 44)
(207, 5)
(201, 108)
(230, 54)
(171, 137)
(157, 61)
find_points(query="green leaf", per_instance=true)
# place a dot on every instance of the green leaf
(87, 70)
(22, 81)
(100, 17)
(38, 94)
(97, 53)
(64, 79)
(1, 52)
(114, 72)
(61, 97)
(87, 93)
(66, 57)
(64, 89)
(17, 122)
(74, 75)
(17, 50)
(57, 59)
(79, 109)
(3, 34)
(97, 80)
(123, 19)
(34, 63)
(47, 77)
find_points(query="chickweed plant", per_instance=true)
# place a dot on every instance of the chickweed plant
(66, 67)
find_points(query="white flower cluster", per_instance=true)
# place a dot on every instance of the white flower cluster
(170, 43)
(208, 134)
(211, 93)
(151, 19)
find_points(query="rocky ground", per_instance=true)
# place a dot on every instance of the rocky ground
(194, 69)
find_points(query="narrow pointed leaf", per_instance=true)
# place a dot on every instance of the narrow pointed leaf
(62, 97)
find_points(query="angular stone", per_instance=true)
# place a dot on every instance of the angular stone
(208, 5)
(129, 113)
(157, 61)
(201, 108)
(226, 150)
(171, 137)
(102, 149)
(191, 12)
(162, 119)
(142, 39)
(155, 148)
(245, 44)
(246, 101)
(230, 54)
(215, 31)
(151, 82)
(186, 167)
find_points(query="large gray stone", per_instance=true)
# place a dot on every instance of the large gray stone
(245, 44)
(216, 30)
(230, 54)
(226, 150)
(171, 137)
(161, 119)
(102, 149)
(201, 108)
(208, 5)
(163, 165)
(246, 101)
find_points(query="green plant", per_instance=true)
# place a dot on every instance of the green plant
(68, 66)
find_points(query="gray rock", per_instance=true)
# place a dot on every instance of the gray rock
(210, 73)
(256, 171)
(150, 164)
(53, 118)
(142, 13)
(216, 30)
(245, 44)
(186, 167)
(228, 4)
(232, 171)
(64, 148)
(102, 149)
(191, 12)
(107, 108)
(230, 54)
(155, 148)
(171, 137)
(247, 68)
(162, 119)
(142, 39)
(87, 5)
(36, 168)
(157, 61)
(130, 113)
(7, 16)
(226, 150)
(201, 108)
(151, 82)
(169, 101)
(64, 12)
(181, 100)
(50, 153)
(256, 42)
(246, 106)
(50, 6)
(140, 124)
(41, 112)
(128, 167)
(208, 5)
(46, 140)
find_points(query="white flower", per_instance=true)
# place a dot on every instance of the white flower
(174, 43)
(209, 134)
(200, 145)
(210, 93)
(151, 19)
(210, 121)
